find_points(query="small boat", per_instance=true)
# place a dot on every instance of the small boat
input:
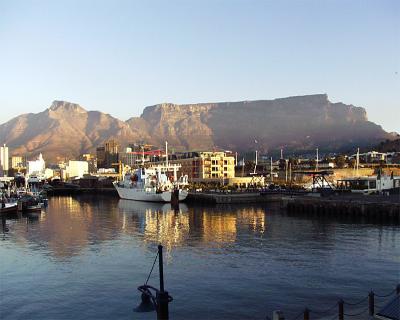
(33, 208)
(28, 203)
(9, 208)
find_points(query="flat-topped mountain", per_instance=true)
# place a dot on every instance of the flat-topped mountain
(296, 123)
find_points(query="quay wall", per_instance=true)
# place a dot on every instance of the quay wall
(73, 191)
(375, 211)
(226, 198)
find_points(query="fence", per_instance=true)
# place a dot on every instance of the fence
(343, 309)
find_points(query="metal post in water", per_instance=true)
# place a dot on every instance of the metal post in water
(398, 286)
(278, 315)
(341, 310)
(371, 303)
(161, 267)
(306, 315)
(162, 295)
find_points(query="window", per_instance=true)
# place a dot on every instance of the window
(372, 184)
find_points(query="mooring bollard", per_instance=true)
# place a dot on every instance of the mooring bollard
(371, 303)
(341, 310)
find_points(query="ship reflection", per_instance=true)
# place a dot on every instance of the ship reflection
(69, 225)
(173, 227)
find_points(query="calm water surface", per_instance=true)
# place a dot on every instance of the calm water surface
(83, 258)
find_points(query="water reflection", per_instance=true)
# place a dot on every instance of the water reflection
(94, 251)
(161, 223)
(69, 225)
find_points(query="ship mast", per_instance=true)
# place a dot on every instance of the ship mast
(143, 155)
(166, 153)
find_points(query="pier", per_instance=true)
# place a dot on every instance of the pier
(376, 208)
(65, 191)
(232, 197)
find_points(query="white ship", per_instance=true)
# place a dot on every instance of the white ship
(154, 184)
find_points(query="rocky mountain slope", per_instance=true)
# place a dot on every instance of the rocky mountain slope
(295, 123)
(389, 146)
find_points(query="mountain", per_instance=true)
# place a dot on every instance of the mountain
(65, 129)
(389, 146)
(296, 123)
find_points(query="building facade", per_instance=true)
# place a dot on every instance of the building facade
(18, 162)
(76, 169)
(134, 157)
(205, 165)
(100, 156)
(4, 160)
(37, 167)
(107, 155)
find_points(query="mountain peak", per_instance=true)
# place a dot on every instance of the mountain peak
(58, 106)
(298, 123)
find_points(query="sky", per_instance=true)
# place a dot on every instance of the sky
(120, 56)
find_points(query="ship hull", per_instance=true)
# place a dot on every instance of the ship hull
(142, 195)
(9, 208)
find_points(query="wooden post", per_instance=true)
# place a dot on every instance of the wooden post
(341, 310)
(371, 303)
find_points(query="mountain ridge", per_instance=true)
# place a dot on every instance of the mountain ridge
(297, 123)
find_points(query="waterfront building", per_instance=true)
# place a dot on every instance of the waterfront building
(37, 167)
(134, 157)
(111, 148)
(91, 160)
(371, 157)
(367, 185)
(204, 165)
(49, 173)
(107, 155)
(75, 169)
(18, 162)
(4, 161)
(101, 156)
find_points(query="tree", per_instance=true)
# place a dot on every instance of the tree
(351, 162)
(340, 161)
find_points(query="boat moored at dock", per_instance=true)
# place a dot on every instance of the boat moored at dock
(153, 184)
(8, 208)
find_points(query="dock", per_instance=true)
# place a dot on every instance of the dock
(230, 197)
(372, 208)
(66, 191)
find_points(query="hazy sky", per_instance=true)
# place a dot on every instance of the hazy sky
(120, 56)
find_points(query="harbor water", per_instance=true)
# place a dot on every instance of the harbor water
(83, 257)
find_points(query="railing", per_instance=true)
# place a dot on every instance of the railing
(343, 309)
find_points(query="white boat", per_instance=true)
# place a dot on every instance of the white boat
(153, 184)
(9, 207)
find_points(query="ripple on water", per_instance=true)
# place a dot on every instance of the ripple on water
(84, 257)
